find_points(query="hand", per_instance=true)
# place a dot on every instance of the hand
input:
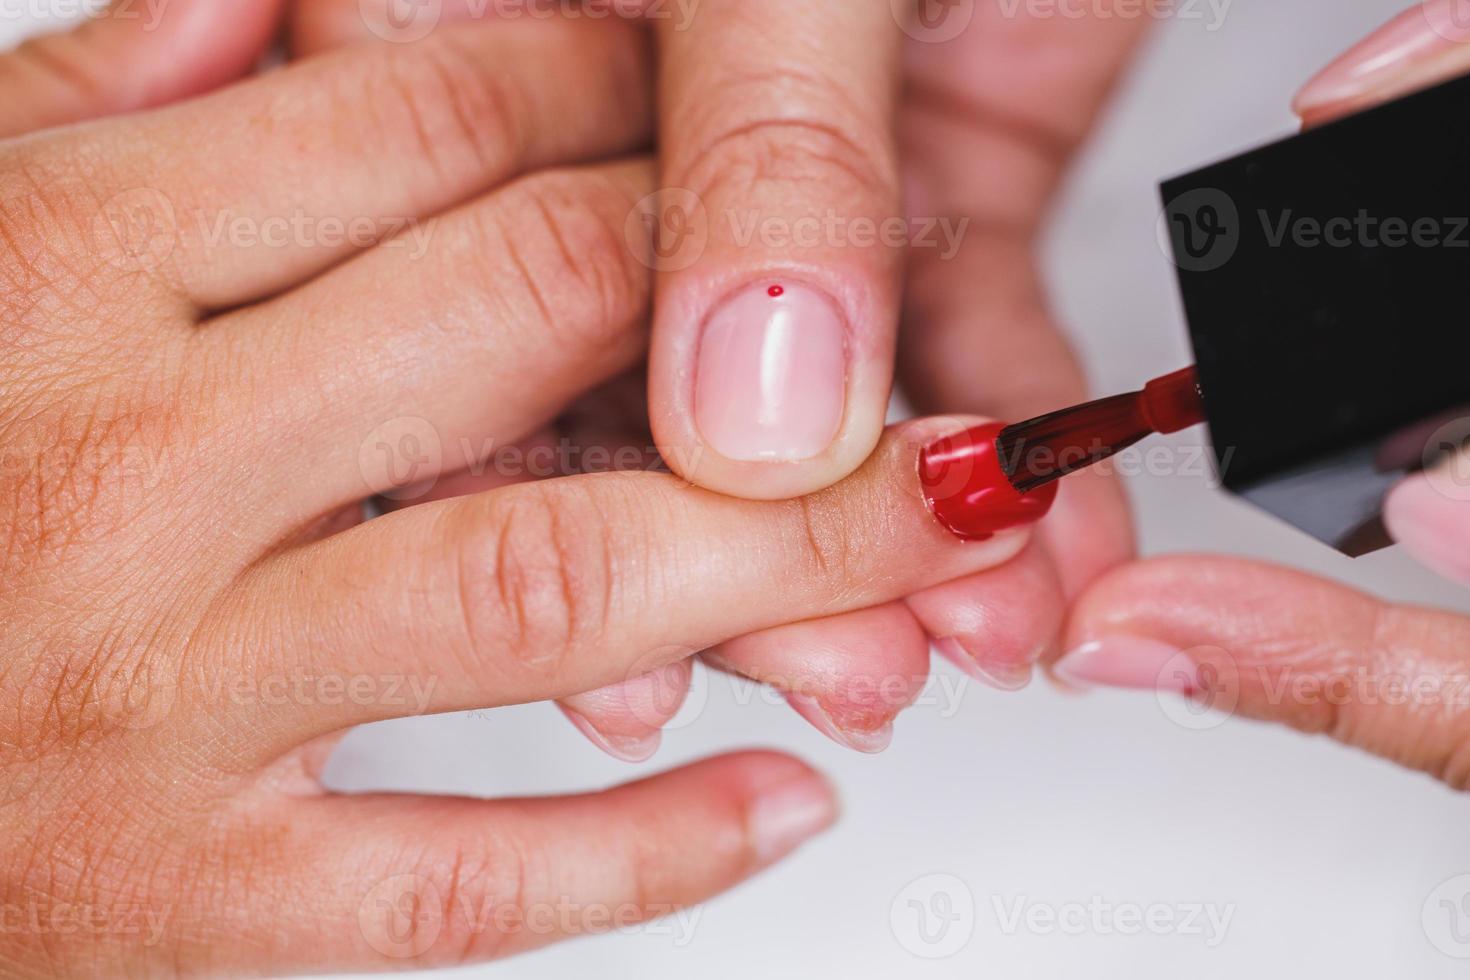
(1264, 642)
(1279, 645)
(990, 120)
(994, 625)
(217, 317)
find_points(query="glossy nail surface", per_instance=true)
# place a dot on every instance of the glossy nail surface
(1001, 676)
(626, 748)
(786, 815)
(1403, 54)
(1127, 661)
(969, 493)
(771, 381)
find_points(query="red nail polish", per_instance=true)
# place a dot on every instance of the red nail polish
(967, 488)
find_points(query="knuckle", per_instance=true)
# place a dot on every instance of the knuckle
(466, 115)
(483, 886)
(536, 577)
(82, 686)
(73, 474)
(564, 231)
(43, 205)
(828, 549)
(823, 141)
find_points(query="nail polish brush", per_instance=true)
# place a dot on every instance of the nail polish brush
(1324, 281)
(1049, 447)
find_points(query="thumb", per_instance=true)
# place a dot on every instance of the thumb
(1426, 44)
(1250, 639)
(133, 55)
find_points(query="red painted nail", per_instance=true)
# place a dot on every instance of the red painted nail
(968, 491)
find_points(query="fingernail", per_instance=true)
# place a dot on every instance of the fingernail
(787, 815)
(872, 742)
(771, 382)
(1128, 661)
(1004, 677)
(1429, 514)
(968, 491)
(1392, 58)
(627, 748)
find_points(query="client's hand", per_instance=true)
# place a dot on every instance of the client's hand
(776, 138)
(227, 322)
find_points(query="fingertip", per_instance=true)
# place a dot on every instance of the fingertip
(1423, 45)
(785, 813)
(1125, 660)
(625, 747)
(761, 383)
(995, 626)
(1162, 597)
(134, 56)
(1429, 514)
(1089, 530)
(626, 720)
(870, 740)
(781, 801)
(849, 676)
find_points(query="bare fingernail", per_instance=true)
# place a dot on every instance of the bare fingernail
(1128, 661)
(1392, 59)
(788, 814)
(1002, 676)
(627, 748)
(871, 741)
(771, 382)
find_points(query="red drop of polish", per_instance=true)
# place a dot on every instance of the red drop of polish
(968, 491)
(776, 292)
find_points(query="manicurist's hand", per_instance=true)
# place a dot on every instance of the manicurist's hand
(1287, 647)
(1430, 42)
(227, 322)
(777, 133)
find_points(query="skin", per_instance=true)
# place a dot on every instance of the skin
(195, 609)
(1286, 647)
(987, 124)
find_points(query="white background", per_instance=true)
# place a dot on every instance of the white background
(1323, 857)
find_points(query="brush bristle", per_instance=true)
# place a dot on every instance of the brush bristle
(1036, 452)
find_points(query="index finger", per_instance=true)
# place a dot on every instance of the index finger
(543, 590)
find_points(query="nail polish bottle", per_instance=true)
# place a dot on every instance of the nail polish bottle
(1326, 285)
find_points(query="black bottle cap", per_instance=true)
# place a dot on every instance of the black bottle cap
(1326, 282)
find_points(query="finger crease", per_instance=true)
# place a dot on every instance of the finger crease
(1045, 140)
